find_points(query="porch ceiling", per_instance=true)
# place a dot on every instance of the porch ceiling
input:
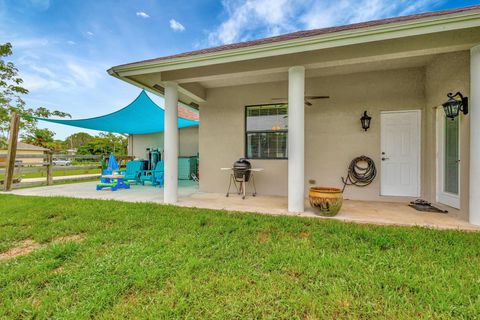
(402, 63)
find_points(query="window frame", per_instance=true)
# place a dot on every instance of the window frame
(246, 132)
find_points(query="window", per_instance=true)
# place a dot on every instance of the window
(266, 131)
(451, 156)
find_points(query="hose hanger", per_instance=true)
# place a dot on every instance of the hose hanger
(361, 172)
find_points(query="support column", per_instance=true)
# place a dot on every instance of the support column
(296, 138)
(170, 193)
(474, 113)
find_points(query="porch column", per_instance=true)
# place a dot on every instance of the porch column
(171, 143)
(474, 112)
(296, 138)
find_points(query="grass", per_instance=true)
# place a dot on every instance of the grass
(58, 182)
(164, 262)
(59, 172)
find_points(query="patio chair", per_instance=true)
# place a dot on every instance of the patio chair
(155, 177)
(105, 172)
(132, 171)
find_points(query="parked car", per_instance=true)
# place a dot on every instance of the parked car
(60, 162)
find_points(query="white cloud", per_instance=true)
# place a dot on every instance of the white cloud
(71, 42)
(249, 19)
(37, 83)
(43, 70)
(252, 19)
(28, 43)
(176, 26)
(89, 33)
(81, 75)
(324, 14)
(142, 14)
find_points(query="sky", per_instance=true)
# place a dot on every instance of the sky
(64, 47)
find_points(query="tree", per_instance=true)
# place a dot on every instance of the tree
(11, 91)
(105, 143)
(77, 140)
(39, 137)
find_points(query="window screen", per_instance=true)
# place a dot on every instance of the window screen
(266, 131)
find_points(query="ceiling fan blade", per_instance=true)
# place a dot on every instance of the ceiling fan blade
(307, 103)
(279, 98)
(317, 97)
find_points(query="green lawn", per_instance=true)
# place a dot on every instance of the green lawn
(153, 261)
(59, 172)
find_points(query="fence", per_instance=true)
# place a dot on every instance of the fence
(39, 169)
(12, 165)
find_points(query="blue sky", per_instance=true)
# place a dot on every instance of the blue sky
(64, 47)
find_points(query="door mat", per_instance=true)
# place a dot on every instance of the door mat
(422, 205)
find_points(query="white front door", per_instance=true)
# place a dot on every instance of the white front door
(448, 160)
(400, 153)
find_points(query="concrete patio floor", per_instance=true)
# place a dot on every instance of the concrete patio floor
(388, 213)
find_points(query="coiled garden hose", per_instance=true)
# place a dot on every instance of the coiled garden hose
(360, 176)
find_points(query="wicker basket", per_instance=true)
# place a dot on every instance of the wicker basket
(327, 201)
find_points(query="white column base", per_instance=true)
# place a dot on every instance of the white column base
(296, 139)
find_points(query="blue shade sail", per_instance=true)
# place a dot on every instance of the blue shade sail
(142, 116)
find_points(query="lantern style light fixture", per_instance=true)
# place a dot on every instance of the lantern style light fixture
(365, 120)
(456, 103)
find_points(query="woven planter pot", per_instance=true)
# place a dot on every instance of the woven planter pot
(326, 201)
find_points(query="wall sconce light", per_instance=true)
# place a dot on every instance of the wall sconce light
(454, 105)
(365, 120)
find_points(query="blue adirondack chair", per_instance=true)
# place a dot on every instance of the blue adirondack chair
(105, 172)
(132, 172)
(155, 177)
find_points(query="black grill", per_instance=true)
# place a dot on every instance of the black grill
(241, 170)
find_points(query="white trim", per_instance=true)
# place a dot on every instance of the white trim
(474, 115)
(145, 87)
(419, 147)
(428, 25)
(449, 199)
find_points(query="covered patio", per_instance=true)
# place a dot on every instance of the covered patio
(399, 71)
(369, 212)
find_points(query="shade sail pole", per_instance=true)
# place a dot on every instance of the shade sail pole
(171, 143)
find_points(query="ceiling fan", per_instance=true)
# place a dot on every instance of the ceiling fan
(307, 98)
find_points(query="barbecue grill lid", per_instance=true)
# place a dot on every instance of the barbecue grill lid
(243, 160)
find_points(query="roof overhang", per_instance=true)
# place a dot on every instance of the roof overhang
(372, 34)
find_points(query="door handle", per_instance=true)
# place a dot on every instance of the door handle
(383, 159)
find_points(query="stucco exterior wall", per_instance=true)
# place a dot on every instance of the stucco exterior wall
(448, 73)
(188, 140)
(333, 133)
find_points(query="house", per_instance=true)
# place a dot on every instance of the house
(399, 70)
(24, 150)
